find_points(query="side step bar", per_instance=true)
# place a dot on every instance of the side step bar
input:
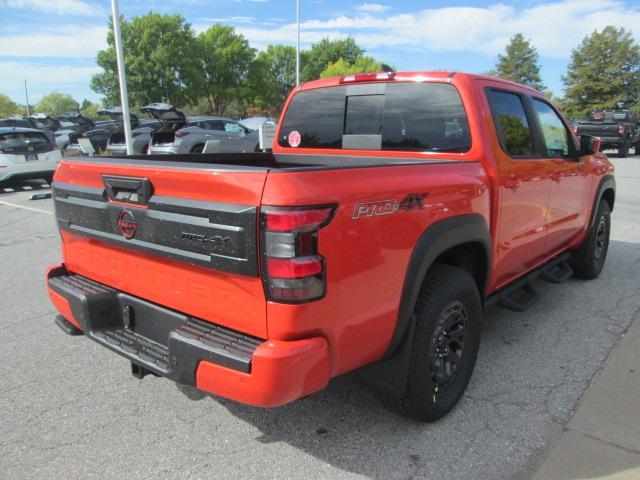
(521, 294)
(556, 272)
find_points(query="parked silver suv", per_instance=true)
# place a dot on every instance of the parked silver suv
(181, 134)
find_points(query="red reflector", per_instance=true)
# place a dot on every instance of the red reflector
(294, 267)
(289, 220)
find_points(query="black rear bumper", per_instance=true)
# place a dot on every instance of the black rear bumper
(161, 341)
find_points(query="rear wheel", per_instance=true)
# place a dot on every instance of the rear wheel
(197, 149)
(445, 346)
(588, 260)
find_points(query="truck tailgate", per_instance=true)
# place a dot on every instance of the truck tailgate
(598, 129)
(181, 236)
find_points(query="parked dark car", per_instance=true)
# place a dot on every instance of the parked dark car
(111, 127)
(47, 124)
(617, 129)
(72, 124)
(97, 132)
(141, 131)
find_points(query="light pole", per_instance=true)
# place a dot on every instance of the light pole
(26, 94)
(124, 99)
(298, 43)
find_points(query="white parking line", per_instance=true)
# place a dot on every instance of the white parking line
(8, 204)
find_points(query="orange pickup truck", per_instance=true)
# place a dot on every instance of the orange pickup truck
(393, 209)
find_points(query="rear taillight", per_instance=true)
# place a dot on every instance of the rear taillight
(621, 129)
(574, 129)
(293, 269)
(180, 133)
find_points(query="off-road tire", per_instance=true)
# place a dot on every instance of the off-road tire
(424, 400)
(588, 259)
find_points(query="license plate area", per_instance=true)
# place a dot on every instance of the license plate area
(147, 319)
(31, 157)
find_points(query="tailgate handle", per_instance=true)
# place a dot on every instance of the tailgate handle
(128, 189)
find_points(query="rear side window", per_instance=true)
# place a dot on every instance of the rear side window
(403, 116)
(216, 125)
(511, 123)
(318, 115)
(554, 133)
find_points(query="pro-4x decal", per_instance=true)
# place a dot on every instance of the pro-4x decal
(388, 206)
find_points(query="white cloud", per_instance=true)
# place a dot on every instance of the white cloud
(43, 79)
(71, 41)
(36, 74)
(373, 8)
(554, 28)
(236, 19)
(59, 7)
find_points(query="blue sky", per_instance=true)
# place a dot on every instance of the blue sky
(53, 43)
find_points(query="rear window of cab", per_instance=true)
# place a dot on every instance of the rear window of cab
(381, 116)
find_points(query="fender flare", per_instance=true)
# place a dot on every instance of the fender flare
(608, 182)
(390, 373)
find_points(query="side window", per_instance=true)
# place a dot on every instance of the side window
(511, 123)
(556, 136)
(217, 125)
(233, 127)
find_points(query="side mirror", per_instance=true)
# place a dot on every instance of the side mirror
(589, 145)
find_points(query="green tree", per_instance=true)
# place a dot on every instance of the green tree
(361, 65)
(225, 60)
(315, 60)
(273, 77)
(604, 70)
(160, 61)
(520, 63)
(56, 103)
(8, 107)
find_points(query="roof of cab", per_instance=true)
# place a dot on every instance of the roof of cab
(426, 76)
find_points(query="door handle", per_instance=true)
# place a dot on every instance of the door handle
(512, 183)
(127, 189)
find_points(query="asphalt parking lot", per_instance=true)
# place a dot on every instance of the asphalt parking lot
(69, 409)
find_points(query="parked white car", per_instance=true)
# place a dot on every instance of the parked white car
(27, 153)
